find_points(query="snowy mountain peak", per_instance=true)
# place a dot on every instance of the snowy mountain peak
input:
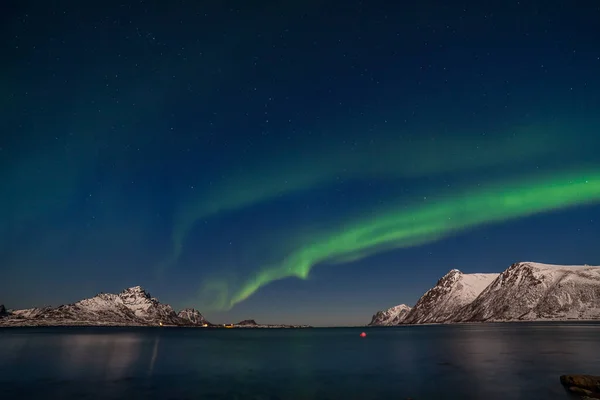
(136, 291)
(133, 306)
(530, 291)
(450, 278)
(400, 308)
(452, 292)
(192, 315)
(525, 291)
(391, 316)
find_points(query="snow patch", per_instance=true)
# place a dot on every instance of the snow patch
(391, 316)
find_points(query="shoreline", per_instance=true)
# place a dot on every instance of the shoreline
(485, 322)
(86, 324)
(111, 325)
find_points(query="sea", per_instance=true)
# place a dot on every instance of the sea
(479, 361)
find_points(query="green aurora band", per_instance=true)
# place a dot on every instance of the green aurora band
(416, 225)
(403, 156)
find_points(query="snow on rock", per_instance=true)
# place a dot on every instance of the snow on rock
(193, 316)
(534, 291)
(451, 293)
(133, 306)
(31, 312)
(391, 316)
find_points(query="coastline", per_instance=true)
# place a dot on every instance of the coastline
(486, 322)
(83, 324)
(95, 324)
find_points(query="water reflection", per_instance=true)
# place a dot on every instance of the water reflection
(106, 356)
(514, 353)
(496, 361)
(154, 355)
(12, 348)
(484, 357)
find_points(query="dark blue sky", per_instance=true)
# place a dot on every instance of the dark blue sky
(214, 152)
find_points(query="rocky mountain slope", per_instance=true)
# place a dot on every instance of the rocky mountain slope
(192, 316)
(131, 307)
(526, 291)
(451, 293)
(391, 316)
(534, 291)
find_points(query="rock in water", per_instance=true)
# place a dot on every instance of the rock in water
(588, 385)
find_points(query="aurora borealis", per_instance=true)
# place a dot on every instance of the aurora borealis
(422, 224)
(216, 153)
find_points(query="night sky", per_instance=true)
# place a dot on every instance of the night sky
(215, 152)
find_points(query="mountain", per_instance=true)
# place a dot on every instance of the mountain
(534, 291)
(193, 316)
(451, 293)
(250, 323)
(526, 291)
(131, 307)
(391, 316)
(247, 322)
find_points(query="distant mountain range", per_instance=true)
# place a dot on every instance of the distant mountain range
(131, 307)
(526, 291)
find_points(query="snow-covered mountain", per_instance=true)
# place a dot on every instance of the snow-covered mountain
(131, 307)
(193, 316)
(526, 291)
(534, 291)
(451, 293)
(391, 316)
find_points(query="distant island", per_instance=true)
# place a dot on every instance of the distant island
(525, 291)
(132, 307)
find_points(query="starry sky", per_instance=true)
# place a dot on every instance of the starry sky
(293, 161)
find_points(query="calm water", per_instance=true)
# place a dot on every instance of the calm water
(499, 361)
